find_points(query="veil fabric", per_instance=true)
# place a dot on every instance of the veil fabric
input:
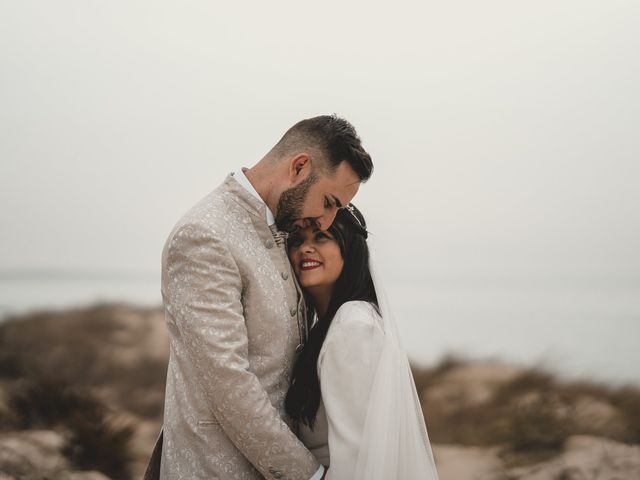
(395, 444)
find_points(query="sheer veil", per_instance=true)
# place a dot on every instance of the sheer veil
(395, 444)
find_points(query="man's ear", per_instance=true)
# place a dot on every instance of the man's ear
(299, 167)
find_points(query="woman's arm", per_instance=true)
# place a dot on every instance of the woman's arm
(346, 367)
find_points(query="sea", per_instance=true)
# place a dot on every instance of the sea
(578, 330)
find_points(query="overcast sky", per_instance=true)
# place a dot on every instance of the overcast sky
(505, 135)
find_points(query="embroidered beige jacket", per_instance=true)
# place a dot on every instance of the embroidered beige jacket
(232, 312)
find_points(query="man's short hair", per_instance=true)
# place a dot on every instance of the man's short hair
(333, 138)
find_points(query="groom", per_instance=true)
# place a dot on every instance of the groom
(234, 311)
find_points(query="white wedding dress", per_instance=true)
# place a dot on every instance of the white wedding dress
(369, 424)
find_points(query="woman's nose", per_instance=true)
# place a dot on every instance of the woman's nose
(308, 246)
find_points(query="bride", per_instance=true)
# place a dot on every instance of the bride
(352, 398)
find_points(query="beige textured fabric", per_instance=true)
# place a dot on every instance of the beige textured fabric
(232, 312)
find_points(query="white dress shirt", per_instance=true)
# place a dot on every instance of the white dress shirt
(244, 181)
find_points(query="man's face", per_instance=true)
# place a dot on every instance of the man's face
(316, 199)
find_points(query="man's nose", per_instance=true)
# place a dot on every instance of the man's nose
(324, 221)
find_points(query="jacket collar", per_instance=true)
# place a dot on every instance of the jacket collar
(245, 199)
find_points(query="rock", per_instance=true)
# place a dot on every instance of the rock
(596, 416)
(37, 454)
(32, 451)
(90, 475)
(466, 463)
(586, 457)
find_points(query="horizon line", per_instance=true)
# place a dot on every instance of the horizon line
(74, 273)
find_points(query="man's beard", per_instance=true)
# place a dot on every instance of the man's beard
(291, 203)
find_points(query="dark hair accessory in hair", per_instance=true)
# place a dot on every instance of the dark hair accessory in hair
(352, 210)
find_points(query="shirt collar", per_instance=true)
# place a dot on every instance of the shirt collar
(244, 181)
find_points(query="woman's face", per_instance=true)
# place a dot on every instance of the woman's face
(316, 258)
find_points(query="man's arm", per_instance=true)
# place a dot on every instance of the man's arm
(203, 294)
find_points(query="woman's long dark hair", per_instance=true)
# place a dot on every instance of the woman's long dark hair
(354, 283)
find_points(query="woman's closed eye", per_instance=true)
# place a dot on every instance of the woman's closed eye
(294, 241)
(320, 235)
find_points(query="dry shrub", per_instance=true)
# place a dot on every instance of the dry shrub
(473, 426)
(427, 377)
(94, 440)
(139, 388)
(627, 400)
(65, 344)
(80, 347)
(531, 415)
(531, 380)
(537, 425)
(100, 444)
(46, 402)
(506, 418)
(10, 364)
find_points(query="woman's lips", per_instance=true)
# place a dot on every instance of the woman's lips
(308, 264)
